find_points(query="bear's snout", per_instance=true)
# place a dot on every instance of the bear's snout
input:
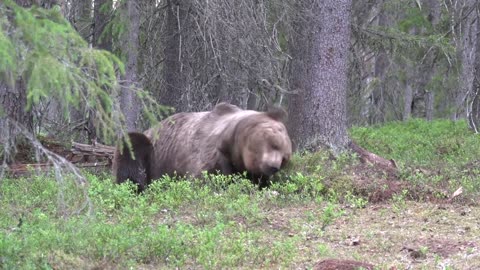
(270, 170)
(271, 163)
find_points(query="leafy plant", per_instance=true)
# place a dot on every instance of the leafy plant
(330, 213)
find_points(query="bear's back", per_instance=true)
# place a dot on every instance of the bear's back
(189, 142)
(172, 139)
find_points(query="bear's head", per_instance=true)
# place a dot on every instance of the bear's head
(264, 144)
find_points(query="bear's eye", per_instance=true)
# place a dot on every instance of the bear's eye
(275, 146)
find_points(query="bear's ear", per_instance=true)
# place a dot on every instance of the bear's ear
(138, 141)
(277, 113)
(225, 108)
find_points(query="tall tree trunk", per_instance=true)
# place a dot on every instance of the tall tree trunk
(173, 71)
(13, 103)
(411, 71)
(13, 96)
(81, 18)
(407, 101)
(429, 105)
(428, 67)
(128, 100)
(318, 113)
(378, 95)
(380, 69)
(101, 17)
(473, 112)
(466, 51)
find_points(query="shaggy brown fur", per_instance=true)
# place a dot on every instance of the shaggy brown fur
(226, 140)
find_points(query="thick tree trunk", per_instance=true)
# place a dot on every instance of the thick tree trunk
(13, 98)
(13, 102)
(473, 112)
(466, 51)
(13, 114)
(128, 100)
(175, 83)
(318, 113)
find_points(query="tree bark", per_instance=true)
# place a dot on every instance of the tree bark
(466, 52)
(473, 112)
(428, 67)
(128, 100)
(173, 71)
(429, 105)
(13, 102)
(98, 149)
(407, 101)
(320, 65)
(13, 99)
(101, 17)
(380, 69)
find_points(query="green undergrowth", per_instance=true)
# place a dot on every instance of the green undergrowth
(225, 222)
(318, 175)
(219, 222)
(421, 143)
(440, 153)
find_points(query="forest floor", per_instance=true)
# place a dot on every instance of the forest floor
(319, 212)
(410, 236)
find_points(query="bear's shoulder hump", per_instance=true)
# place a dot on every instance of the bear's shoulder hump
(224, 108)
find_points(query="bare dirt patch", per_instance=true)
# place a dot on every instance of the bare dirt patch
(411, 236)
(380, 185)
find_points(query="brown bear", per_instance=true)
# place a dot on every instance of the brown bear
(227, 140)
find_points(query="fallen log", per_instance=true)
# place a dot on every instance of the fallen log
(369, 157)
(80, 155)
(22, 169)
(97, 149)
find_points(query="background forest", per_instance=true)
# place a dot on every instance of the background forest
(75, 64)
(398, 78)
